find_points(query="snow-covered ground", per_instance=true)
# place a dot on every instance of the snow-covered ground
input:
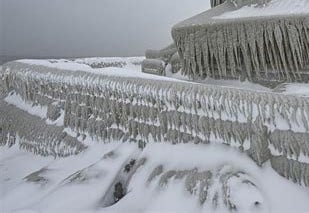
(57, 191)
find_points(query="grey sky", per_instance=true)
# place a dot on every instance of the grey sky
(91, 27)
(1, 29)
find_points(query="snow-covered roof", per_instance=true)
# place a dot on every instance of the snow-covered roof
(228, 12)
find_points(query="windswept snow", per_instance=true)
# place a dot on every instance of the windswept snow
(77, 183)
(275, 7)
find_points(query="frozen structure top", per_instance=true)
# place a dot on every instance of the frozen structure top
(258, 40)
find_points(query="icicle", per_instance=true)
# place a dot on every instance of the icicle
(284, 53)
(291, 169)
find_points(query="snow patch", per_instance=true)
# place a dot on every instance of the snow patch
(280, 194)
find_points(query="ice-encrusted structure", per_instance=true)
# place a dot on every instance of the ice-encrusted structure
(226, 42)
(261, 49)
(34, 135)
(158, 61)
(252, 40)
(263, 124)
(51, 107)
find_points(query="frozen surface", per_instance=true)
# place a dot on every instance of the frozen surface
(275, 7)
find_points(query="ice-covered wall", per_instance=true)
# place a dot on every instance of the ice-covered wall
(266, 125)
(70, 28)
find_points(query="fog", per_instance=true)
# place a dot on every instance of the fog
(77, 28)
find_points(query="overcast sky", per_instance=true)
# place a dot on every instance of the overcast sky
(1, 30)
(70, 28)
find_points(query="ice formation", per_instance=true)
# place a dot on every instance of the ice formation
(265, 48)
(157, 61)
(211, 186)
(34, 135)
(110, 107)
(214, 3)
(81, 99)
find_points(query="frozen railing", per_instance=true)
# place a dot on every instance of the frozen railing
(266, 125)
